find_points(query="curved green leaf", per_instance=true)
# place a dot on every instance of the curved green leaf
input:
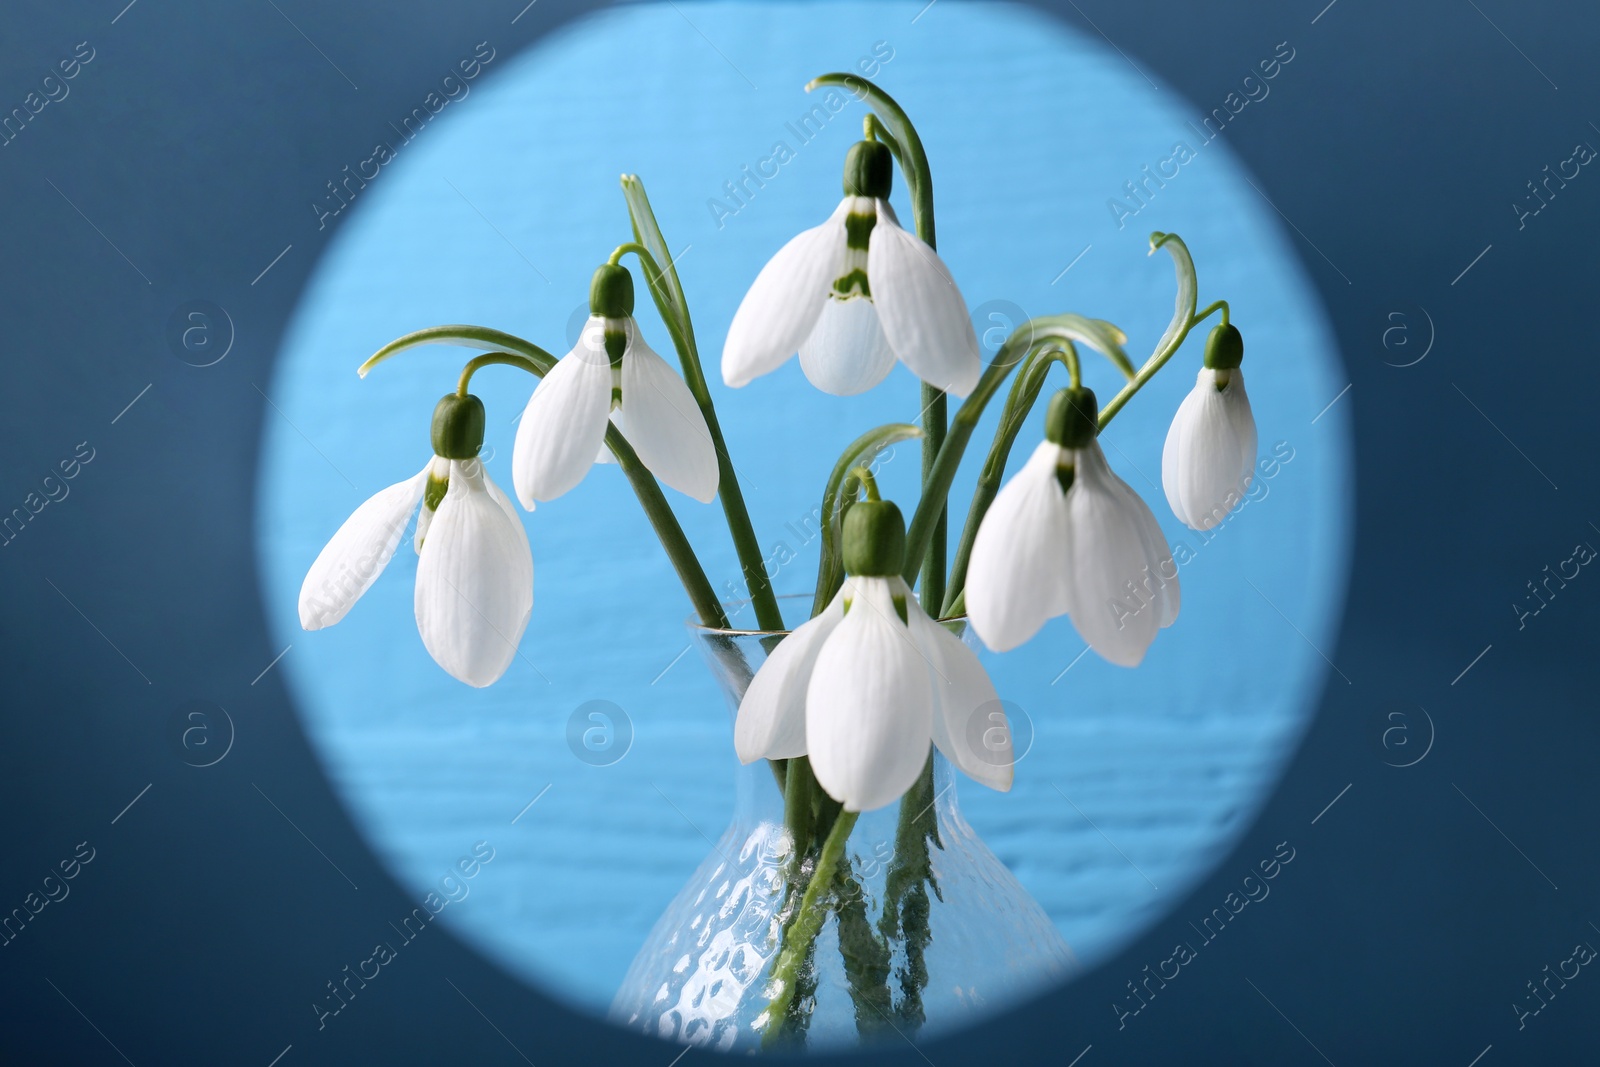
(481, 338)
(861, 452)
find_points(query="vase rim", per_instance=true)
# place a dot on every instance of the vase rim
(699, 629)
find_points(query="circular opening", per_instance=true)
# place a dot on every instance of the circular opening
(498, 212)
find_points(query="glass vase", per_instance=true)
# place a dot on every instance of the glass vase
(925, 929)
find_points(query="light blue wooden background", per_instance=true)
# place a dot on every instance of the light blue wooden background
(498, 213)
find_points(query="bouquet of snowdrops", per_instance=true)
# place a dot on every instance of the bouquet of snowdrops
(847, 705)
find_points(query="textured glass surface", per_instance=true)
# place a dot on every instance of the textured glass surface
(702, 975)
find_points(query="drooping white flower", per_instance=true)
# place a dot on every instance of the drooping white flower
(865, 686)
(474, 589)
(852, 296)
(1210, 454)
(563, 427)
(1066, 536)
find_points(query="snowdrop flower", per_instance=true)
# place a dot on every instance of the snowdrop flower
(866, 685)
(1067, 536)
(563, 428)
(853, 295)
(474, 569)
(1210, 456)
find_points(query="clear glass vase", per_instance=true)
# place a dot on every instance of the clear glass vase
(926, 929)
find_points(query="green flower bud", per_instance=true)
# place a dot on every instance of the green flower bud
(1072, 420)
(874, 539)
(458, 426)
(868, 170)
(611, 292)
(1224, 348)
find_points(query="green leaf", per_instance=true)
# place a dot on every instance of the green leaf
(481, 338)
(1102, 336)
(861, 453)
(1188, 286)
(648, 233)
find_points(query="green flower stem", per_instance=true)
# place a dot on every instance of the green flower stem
(936, 486)
(1184, 319)
(824, 808)
(668, 531)
(867, 955)
(901, 137)
(813, 911)
(863, 476)
(873, 129)
(490, 359)
(797, 1020)
(663, 301)
(1101, 335)
(632, 246)
(914, 824)
(836, 499)
(1024, 393)
(798, 787)
(1068, 354)
(535, 360)
(1215, 305)
(667, 291)
(934, 421)
(905, 894)
(899, 133)
(809, 812)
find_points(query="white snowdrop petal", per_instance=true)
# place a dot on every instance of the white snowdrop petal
(846, 352)
(869, 716)
(1212, 445)
(604, 455)
(1161, 585)
(474, 580)
(565, 421)
(771, 723)
(506, 505)
(665, 425)
(1108, 594)
(357, 553)
(1016, 573)
(1172, 453)
(923, 314)
(784, 301)
(1237, 403)
(969, 725)
(1208, 476)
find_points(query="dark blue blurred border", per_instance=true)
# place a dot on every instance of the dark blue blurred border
(1419, 910)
